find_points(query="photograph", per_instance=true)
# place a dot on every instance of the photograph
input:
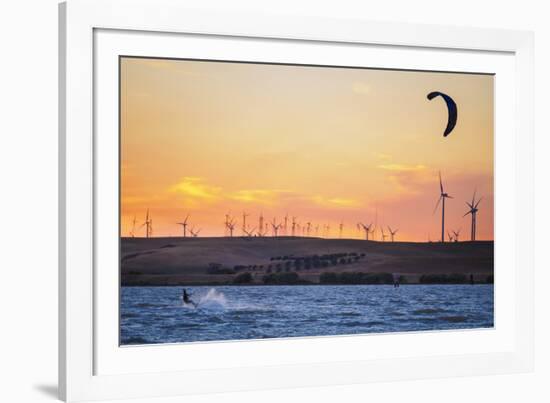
(265, 200)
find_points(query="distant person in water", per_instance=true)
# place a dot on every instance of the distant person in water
(471, 279)
(187, 299)
(395, 280)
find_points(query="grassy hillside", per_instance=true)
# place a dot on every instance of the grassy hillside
(178, 261)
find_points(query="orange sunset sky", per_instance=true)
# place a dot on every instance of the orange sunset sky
(327, 145)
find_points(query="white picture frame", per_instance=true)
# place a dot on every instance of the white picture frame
(92, 366)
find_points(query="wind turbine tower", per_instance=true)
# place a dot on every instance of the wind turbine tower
(244, 222)
(184, 225)
(226, 228)
(367, 229)
(473, 211)
(195, 233)
(384, 236)
(443, 195)
(148, 224)
(294, 226)
(231, 227)
(456, 234)
(276, 227)
(133, 231)
(392, 233)
(250, 233)
(261, 225)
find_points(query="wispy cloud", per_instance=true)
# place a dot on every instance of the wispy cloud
(402, 167)
(335, 202)
(407, 178)
(259, 196)
(195, 188)
(196, 191)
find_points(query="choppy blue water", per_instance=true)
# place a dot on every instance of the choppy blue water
(157, 314)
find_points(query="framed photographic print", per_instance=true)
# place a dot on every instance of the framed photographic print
(254, 202)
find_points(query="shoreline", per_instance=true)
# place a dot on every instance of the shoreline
(298, 285)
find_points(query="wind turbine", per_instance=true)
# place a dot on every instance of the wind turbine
(308, 228)
(275, 227)
(285, 226)
(133, 231)
(367, 229)
(449, 236)
(456, 234)
(392, 233)
(250, 233)
(340, 229)
(231, 226)
(244, 221)
(373, 231)
(473, 211)
(184, 225)
(195, 233)
(148, 224)
(442, 196)
(384, 236)
(294, 226)
(226, 228)
(262, 231)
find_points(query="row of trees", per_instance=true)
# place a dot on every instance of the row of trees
(288, 263)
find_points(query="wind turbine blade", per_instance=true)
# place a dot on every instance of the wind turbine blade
(449, 197)
(437, 204)
(474, 197)
(440, 182)
(479, 201)
(469, 212)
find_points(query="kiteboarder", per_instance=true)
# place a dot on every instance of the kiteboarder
(396, 278)
(186, 299)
